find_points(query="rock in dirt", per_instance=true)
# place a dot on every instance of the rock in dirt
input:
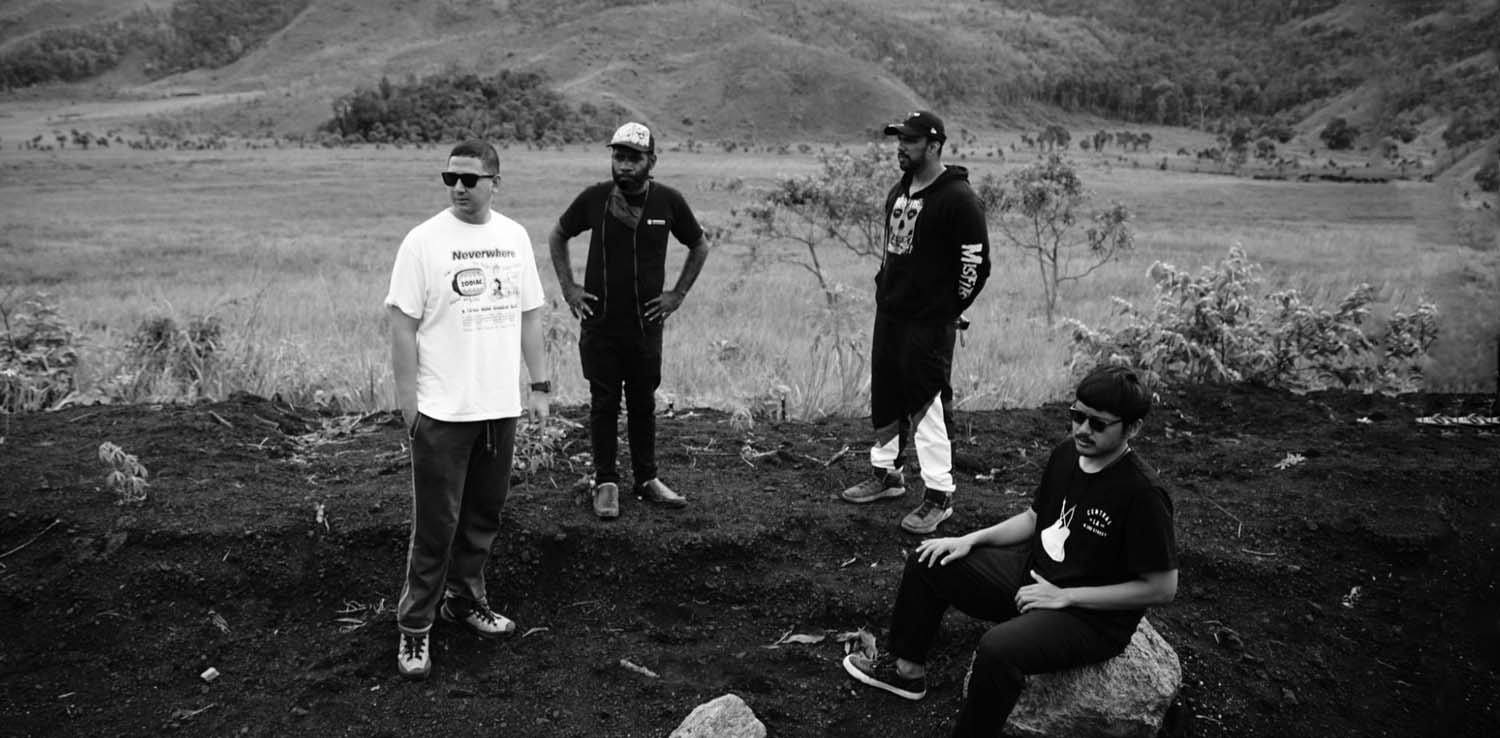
(725, 717)
(1125, 697)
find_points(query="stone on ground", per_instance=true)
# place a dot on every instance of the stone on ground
(1125, 697)
(725, 717)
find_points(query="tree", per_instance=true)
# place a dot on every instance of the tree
(1338, 134)
(1040, 208)
(841, 205)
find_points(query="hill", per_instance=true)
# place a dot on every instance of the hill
(835, 68)
(1349, 590)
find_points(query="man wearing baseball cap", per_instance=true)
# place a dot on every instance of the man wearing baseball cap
(623, 306)
(935, 262)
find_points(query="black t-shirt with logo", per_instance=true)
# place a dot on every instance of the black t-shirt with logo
(1102, 528)
(625, 266)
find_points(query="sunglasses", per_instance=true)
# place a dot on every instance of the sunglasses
(469, 180)
(1096, 423)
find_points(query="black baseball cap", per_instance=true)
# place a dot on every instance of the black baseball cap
(920, 123)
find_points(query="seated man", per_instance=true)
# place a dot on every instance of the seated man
(1066, 581)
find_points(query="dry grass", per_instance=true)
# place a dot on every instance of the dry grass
(291, 249)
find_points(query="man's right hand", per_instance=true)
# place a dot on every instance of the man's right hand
(579, 301)
(940, 551)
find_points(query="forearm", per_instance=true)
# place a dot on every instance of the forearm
(562, 266)
(1015, 529)
(697, 256)
(1157, 588)
(533, 346)
(403, 336)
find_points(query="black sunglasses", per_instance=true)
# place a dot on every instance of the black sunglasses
(469, 180)
(1096, 423)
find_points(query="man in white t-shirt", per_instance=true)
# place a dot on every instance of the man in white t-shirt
(464, 309)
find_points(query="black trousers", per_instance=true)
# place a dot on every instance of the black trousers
(911, 365)
(983, 585)
(629, 368)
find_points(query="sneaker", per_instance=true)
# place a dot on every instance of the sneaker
(479, 620)
(928, 515)
(412, 658)
(653, 490)
(882, 484)
(607, 501)
(881, 673)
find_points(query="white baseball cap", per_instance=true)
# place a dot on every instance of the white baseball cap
(634, 136)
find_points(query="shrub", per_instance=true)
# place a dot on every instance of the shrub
(167, 359)
(1037, 209)
(126, 475)
(1338, 134)
(38, 356)
(1488, 176)
(1222, 327)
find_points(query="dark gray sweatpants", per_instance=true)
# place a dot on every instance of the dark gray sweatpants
(460, 478)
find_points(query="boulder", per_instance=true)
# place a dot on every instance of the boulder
(725, 717)
(1124, 697)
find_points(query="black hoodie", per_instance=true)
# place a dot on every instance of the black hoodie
(937, 249)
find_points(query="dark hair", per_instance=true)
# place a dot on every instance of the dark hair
(1115, 389)
(481, 150)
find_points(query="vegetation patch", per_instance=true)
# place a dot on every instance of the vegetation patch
(509, 106)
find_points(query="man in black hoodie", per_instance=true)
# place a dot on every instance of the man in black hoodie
(623, 305)
(937, 258)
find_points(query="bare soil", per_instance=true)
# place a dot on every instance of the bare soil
(1353, 593)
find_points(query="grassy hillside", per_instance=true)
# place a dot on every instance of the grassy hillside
(819, 68)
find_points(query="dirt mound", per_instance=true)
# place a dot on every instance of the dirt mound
(1339, 575)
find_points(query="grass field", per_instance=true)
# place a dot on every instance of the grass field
(291, 249)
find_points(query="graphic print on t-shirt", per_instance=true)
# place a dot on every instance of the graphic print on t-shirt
(1096, 521)
(1055, 535)
(902, 225)
(487, 294)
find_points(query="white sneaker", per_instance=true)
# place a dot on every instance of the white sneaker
(412, 657)
(479, 620)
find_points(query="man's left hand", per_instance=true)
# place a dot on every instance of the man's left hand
(661, 307)
(1043, 595)
(539, 406)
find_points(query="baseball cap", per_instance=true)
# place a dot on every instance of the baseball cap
(634, 136)
(919, 123)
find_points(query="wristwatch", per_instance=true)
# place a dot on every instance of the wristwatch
(542, 387)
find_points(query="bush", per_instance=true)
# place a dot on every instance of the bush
(1338, 134)
(1488, 176)
(1221, 327)
(38, 356)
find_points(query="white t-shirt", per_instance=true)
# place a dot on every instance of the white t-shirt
(468, 285)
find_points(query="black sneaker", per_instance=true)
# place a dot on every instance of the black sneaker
(881, 674)
(935, 508)
(882, 484)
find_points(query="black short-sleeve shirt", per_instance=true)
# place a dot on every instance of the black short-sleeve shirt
(1102, 528)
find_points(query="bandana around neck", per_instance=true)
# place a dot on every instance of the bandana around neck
(623, 211)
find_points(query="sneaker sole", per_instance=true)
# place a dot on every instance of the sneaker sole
(670, 504)
(885, 494)
(415, 676)
(864, 678)
(922, 531)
